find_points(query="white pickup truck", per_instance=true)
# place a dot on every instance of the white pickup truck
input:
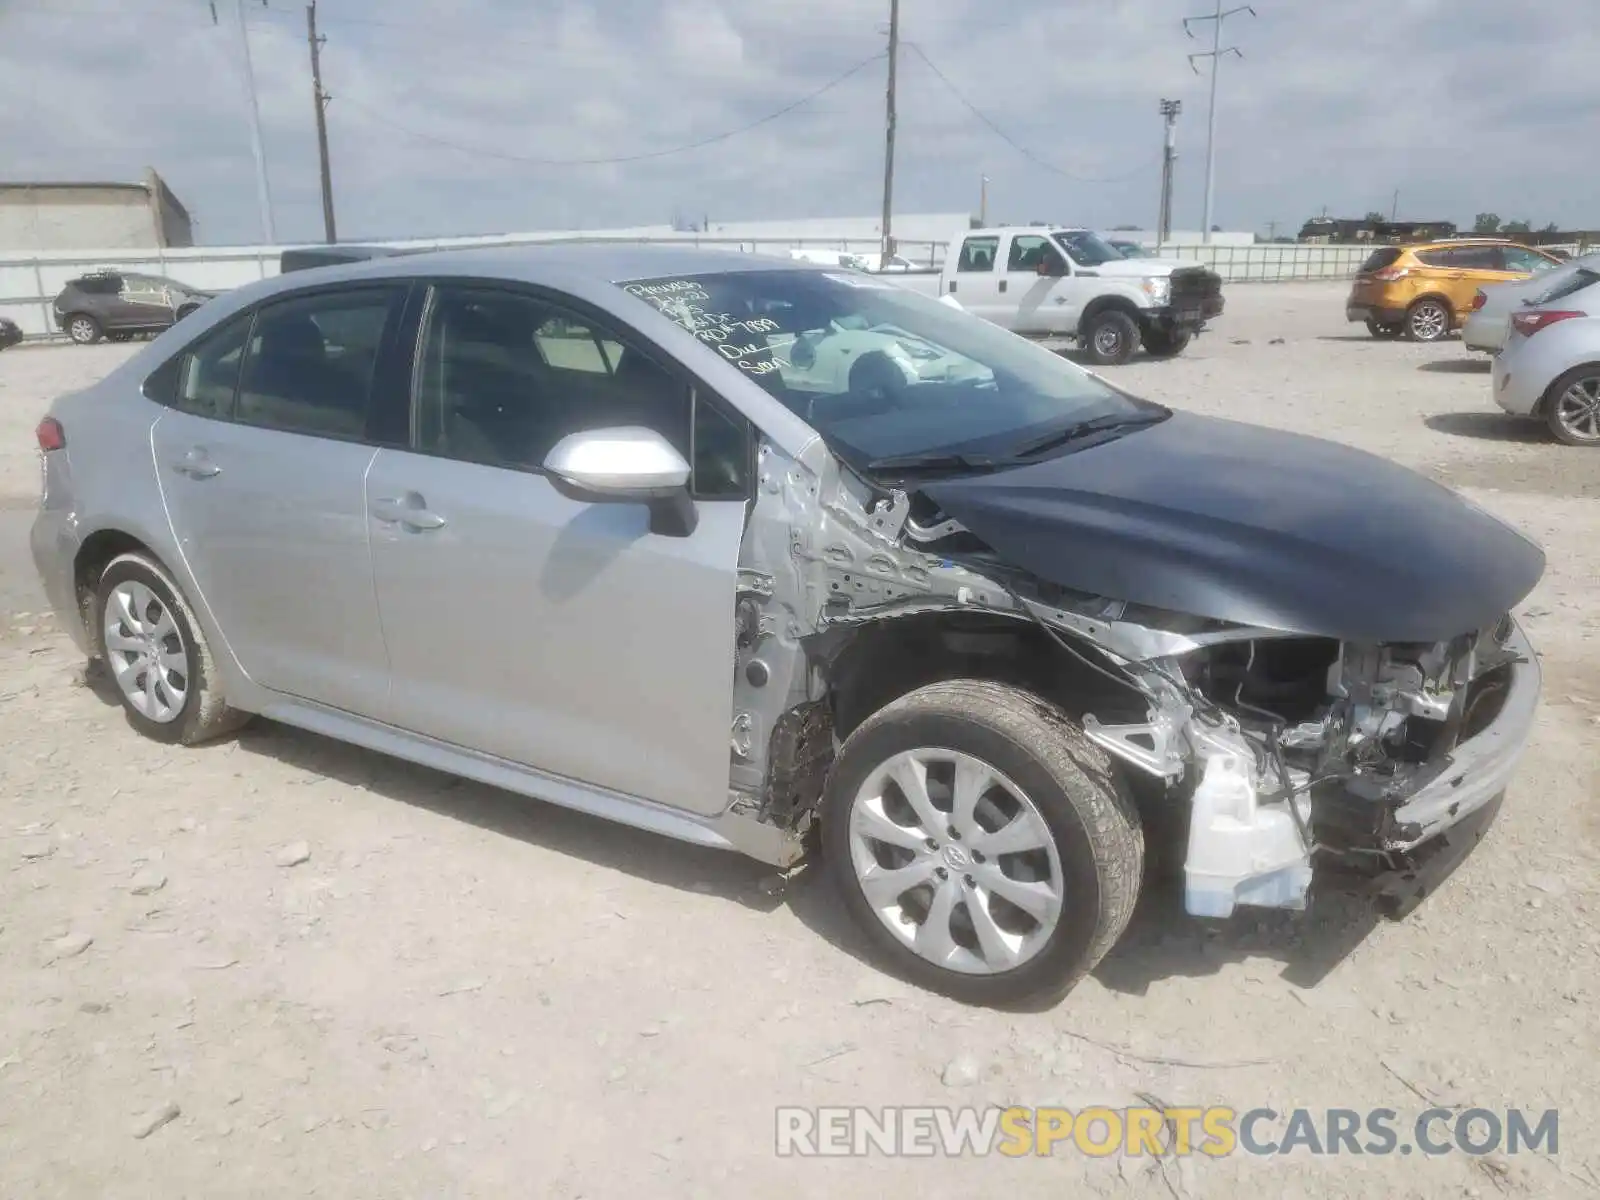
(1069, 283)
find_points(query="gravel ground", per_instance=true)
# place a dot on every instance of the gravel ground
(453, 992)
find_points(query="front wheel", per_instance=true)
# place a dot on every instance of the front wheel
(1111, 338)
(984, 845)
(1165, 343)
(1427, 320)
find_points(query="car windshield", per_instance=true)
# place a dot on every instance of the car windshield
(883, 373)
(1086, 249)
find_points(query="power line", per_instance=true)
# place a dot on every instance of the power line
(1011, 141)
(686, 148)
(1215, 54)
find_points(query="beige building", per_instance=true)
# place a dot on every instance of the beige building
(92, 216)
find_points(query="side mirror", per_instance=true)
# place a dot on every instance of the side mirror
(627, 465)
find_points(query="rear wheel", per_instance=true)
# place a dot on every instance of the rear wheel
(984, 845)
(1165, 343)
(1427, 320)
(83, 329)
(1573, 409)
(1385, 330)
(156, 654)
(1111, 337)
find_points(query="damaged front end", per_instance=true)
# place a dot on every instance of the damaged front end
(1290, 751)
(1357, 758)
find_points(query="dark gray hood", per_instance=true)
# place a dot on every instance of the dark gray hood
(1242, 523)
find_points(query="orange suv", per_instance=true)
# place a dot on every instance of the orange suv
(1425, 291)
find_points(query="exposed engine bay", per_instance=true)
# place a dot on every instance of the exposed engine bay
(1285, 748)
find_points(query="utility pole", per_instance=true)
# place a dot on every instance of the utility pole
(888, 155)
(983, 202)
(321, 98)
(1169, 111)
(1215, 55)
(1394, 209)
(263, 192)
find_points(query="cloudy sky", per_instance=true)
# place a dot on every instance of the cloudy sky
(486, 116)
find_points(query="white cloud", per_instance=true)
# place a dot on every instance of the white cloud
(1333, 104)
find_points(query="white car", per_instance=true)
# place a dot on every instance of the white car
(1489, 323)
(839, 359)
(1550, 367)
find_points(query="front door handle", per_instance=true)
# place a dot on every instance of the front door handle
(196, 465)
(397, 511)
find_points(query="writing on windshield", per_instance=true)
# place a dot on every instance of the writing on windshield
(739, 338)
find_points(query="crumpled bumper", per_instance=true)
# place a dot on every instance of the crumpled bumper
(1480, 768)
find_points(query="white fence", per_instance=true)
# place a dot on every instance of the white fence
(28, 284)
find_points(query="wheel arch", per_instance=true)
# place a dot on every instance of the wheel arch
(1107, 302)
(886, 659)
(1542, 408)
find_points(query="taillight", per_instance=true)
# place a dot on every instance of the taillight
(1390, 274)
(1529, 323)
(51, 436)
(1479, 300)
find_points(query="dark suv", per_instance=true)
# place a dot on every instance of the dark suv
(118, 304)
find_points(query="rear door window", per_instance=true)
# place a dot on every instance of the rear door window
(978, 254)
(311, 361)
(208, 374)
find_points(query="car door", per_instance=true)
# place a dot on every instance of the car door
(1039, 284)
(146, 301)
(544, 630)
(263, 457)
(976, 279)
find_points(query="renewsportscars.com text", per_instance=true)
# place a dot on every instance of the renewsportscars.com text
(1214, 1131)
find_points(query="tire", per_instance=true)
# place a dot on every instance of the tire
(1428, 320)
(876, 372)
(1572, 407)
(185, 705)
(1049, 785)
(84, 329)
(1166, 343)
(1385, 331)
(1111, 337)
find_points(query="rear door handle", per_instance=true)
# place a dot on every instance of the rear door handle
(397, 511)
(1003, 285)
(196, 465)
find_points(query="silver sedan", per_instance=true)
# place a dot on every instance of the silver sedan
(1489, 323)
(1550, 367)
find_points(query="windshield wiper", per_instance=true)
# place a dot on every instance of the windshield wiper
(930, 462)
(1083, 429)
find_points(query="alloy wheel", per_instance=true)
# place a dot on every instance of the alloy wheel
(82, 330)
(956, 861)
(1578, 409)
(145, 651)
(1429, 321)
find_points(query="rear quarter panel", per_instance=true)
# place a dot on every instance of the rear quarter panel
(114, 484)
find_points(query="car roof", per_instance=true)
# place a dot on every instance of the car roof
(607, 262)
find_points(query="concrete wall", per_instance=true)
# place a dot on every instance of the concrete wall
(58, 218)
(29, 282)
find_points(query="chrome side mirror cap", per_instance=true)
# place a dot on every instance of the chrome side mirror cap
(626, 464)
